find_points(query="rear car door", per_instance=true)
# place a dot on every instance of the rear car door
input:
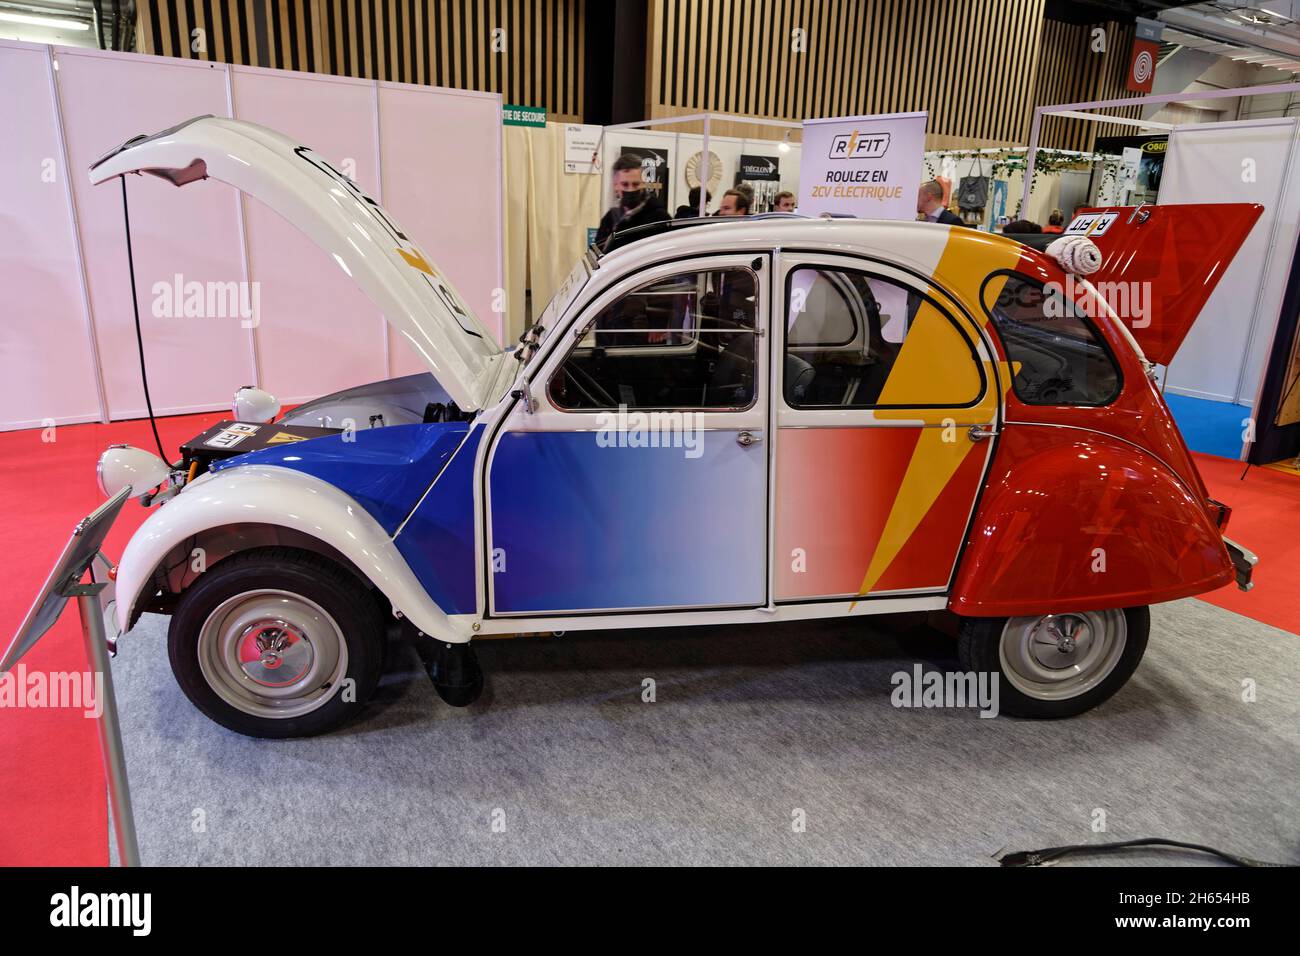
(886, 415)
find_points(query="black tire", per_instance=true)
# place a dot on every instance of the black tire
(303, 575)
(978, 649)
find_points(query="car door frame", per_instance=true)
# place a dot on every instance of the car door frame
(784, 417)
(533, 388)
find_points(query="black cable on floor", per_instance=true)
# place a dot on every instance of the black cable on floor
(1039, 857)
(139, 337)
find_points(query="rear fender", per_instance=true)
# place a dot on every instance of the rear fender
(1076, 520)
(269, 495)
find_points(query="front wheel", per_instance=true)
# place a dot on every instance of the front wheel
(1056, 665)
(277, 643)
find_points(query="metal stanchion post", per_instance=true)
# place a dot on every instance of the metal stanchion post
(110, 732)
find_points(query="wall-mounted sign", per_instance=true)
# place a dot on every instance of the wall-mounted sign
(581, 142)
(1142, 58)
(865, 166)
(759, 169)
(523, 115)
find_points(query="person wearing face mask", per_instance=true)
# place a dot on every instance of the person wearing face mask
(634, 204)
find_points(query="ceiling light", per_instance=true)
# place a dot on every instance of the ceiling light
(56, 23)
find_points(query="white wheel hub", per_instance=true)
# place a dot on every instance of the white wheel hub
(1061, 656)
(272, 653)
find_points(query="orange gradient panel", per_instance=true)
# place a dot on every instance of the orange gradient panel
(835, 488)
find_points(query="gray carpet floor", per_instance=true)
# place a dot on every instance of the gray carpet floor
(750, 725)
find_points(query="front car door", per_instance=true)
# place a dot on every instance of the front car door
(639, 479)
(877, 467)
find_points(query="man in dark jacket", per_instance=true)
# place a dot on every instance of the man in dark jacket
(929, 203)
(634, 206)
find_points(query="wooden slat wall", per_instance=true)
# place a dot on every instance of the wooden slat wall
(1073, 73)
(979, 67)
(440, 43)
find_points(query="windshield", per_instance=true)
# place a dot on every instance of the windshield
(566, 293)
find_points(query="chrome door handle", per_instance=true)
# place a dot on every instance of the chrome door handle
(978, 433)
(746, 439)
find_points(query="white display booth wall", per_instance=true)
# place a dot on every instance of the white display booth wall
(1224, 355)
(67, 345)
(682, 146)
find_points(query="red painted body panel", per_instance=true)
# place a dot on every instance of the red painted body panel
(1066, 480)
(1168, 260)
(1057, 495)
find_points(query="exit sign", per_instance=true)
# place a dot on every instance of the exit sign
(523, 115)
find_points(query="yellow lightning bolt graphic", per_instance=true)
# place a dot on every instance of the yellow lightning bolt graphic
(934, 361)
(417, 260)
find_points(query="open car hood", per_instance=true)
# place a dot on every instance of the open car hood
(365, 241)
(1171, 257)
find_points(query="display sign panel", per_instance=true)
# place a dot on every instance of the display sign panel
(759, 169)
(864, 166)
(581, 146)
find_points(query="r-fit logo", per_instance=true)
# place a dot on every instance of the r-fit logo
(859, 145)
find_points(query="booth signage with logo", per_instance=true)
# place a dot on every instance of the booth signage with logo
(864, 166)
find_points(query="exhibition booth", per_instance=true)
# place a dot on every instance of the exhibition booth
(316, 386)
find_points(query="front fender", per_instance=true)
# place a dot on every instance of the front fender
(1076, 520)
(269, 495)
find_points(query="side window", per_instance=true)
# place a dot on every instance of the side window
(686, 341)
(855, 340)
(1058, 356)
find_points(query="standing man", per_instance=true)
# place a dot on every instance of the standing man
(734, 203)
(784, 202)
(633, 206)
(929, 203)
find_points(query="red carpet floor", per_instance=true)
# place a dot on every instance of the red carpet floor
(1265, 519)
(51, 778)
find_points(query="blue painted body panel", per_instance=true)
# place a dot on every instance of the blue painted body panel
(582, 526)
(438, 541)
(385, 470)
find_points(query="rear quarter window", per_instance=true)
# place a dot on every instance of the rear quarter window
(1057, 355)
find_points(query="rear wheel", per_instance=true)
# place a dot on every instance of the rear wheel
(1056, 665)
(277, 643)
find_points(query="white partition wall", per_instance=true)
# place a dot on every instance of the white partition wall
(431, 156)
(454, 212)
(191, 232)
(1225, 353)
(43, 313)
(308, 306)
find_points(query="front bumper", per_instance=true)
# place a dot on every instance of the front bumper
(1243, 562)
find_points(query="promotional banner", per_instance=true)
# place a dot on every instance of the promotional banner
(864, 166)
